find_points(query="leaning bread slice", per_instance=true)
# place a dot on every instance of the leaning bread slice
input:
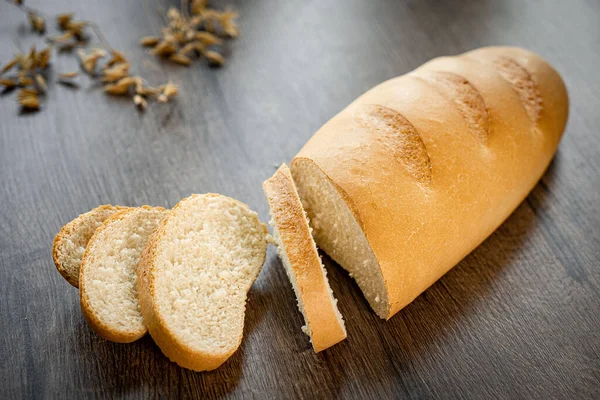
(71, 241)
(108, 287)
(194, 276)
(299, 255)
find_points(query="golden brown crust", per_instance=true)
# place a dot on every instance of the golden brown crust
(176, 350)
(66, 232)
(88, 313)
(464, 96)
(419, 232)
(319, 310)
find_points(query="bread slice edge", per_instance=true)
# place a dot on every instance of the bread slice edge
(299, 255)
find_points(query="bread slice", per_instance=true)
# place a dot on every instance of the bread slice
(108, 287)
(70, 243)
(299, 255)
(194, 276)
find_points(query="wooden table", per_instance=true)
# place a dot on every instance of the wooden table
(518, 318)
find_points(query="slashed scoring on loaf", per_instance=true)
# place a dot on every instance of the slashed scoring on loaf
(521, 81)
(465, 97)
(398, 135)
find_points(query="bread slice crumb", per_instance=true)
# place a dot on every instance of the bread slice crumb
(194, 276)
(70, 243)
(108, 292)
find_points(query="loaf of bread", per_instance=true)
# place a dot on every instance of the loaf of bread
(108, 279)
(194, 275)
(323, 322)
(418, 171)
(70, 243)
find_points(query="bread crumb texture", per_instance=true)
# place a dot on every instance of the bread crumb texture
(109, 293)
(207, 254)
(70, 243)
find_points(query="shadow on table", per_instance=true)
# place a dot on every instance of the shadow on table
(140, 369)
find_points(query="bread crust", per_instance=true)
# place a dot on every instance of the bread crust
(88, 313)
(67, 231)
(176, 350)
(419, 230)
(287, 212)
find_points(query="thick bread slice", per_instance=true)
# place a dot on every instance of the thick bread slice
(70, 243)
(299, 255)
(418, 171)
(194, 276)
(108, 280)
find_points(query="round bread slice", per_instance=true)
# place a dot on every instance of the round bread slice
(194, 276)
(70, 243)
(108, 287)
(300, 258)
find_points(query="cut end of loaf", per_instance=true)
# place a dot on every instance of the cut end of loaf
(194, 277)
(70, 243)
(109, 297)
(337, 231)
(299, 255)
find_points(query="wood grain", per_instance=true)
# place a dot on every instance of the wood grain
(518, 318)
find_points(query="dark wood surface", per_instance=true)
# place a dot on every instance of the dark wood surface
(518, 318)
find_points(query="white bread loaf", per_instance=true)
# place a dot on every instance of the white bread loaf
(194, 276)
(108, 291)
(70, 243)
(299, 256)
(418, 171)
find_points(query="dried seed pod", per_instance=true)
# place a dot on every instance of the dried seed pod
(192, 46)
(63, 20)
(29, 62)
(64, 38)
(230, 29)
(170, 89)
(68, 75)
(121, 87)
(36, 22)
(77, 28)
(12, 63)
(164, 49)
(116, 72)
(195, 21)
(28, 100)
(149, 41)
(117, 57)
(173, 14)
(25, 81)
(89, 61)
(180, 37)
(41, 82)
(180, 59)
(43, 58)
(198, 6)
(27, 92)
(214, 58)
(228, 15)
(8, 83)
(140, 102)
(146, 91)
(207, 38)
